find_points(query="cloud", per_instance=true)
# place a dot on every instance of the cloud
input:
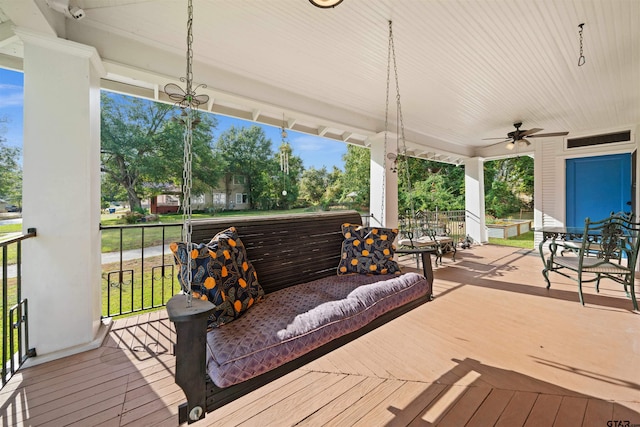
(11, 96)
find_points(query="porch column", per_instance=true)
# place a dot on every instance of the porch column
(383, 183)
(61, 194)
(474, 199)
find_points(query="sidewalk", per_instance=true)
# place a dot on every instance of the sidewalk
(109, 257)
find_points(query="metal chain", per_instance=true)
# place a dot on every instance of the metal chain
(581, 59)
(187, 174)
(400, 123)
(187, 228)
(386, 126)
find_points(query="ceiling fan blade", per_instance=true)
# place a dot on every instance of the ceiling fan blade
(529, 132)
(542, 135)
(487, 139)
(498, 143)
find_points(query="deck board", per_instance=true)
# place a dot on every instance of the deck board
(494, 348)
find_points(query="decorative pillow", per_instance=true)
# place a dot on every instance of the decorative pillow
(368, 250)
(236, 274)
(221, 273)
(203, 285)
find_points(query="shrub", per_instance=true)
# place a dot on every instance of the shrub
(132, 217)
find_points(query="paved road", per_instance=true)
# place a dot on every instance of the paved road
(110, 257)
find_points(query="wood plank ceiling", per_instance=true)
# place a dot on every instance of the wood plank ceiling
(468, 69)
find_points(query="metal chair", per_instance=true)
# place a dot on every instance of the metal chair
(608, 249)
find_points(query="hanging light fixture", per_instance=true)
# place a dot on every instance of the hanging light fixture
(325, 4)
(188, 101)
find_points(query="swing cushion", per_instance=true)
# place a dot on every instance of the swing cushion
(368, 250)
(222, 274)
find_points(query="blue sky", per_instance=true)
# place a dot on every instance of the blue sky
(314, 151)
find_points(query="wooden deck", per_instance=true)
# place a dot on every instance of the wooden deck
(494, 348)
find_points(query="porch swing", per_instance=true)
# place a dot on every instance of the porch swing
(318, 290)
(414, 233)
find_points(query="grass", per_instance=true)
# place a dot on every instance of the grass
(12, 299)
(132, 238)
(140, 290)
(524, 240)
(5, 231)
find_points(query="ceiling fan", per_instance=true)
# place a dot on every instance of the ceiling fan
(521, 136)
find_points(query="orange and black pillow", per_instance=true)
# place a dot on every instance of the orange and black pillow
(368, 250)
(222, 274)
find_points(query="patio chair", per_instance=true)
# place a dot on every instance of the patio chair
(430, 239)
(608, 249)
(594, 247)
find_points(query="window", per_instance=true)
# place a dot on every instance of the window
(242, 198)
(239, 179)
(219, 198)
(197, 199)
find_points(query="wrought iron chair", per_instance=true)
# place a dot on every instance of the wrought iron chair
(608, 249)
(594, 247)
(418, 232)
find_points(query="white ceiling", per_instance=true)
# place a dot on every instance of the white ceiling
(468, 69)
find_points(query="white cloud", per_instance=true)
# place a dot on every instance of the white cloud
(11, 96)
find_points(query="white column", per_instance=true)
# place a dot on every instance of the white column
(61, 194)
(474, 199)
(383, 183)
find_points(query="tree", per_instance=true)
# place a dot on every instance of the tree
(355, 179)
(508, 185)
(142, 148)
(314, 184)
(10, 171)
(434, 185)
(247, 152)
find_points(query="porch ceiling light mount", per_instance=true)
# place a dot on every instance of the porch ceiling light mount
(325, 4)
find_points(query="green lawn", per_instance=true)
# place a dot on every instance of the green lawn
(524, 240)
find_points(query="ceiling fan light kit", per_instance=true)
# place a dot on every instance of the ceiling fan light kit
(520, 136)
(325, 4)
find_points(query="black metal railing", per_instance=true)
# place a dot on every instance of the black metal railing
(15, 320)
(443, 223)
(137, 267)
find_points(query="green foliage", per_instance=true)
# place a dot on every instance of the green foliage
(500, 200)
(132, 217)
(433, 186)
(314, 184)
(10, 172)
(508, 185)
(355, 179)
(142, 148)
(247, 152)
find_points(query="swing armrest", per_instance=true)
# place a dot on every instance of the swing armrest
(190, 352)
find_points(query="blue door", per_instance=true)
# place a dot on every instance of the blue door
(597, 186)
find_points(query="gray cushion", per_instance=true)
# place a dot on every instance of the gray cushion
(298, 319)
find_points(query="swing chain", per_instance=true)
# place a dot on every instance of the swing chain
(391, 56)
(187, 182)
